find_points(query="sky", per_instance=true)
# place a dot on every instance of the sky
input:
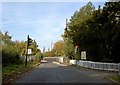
(42, 21)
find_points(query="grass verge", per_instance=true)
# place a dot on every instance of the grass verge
(12, 71)
(115, 78)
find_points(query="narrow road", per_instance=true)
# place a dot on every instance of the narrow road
(49, 72)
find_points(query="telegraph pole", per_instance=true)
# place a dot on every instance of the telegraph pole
(26, 51)
(66, 22)
(51, 45)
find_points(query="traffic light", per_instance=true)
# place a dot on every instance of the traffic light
(29, 41)
(77, 48)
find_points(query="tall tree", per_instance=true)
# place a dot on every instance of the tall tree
(97, 32)
(58, 48)
(77, 29)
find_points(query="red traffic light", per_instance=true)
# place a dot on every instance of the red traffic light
(77, 46)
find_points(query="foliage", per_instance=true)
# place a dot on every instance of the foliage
(12, 71)
(21, 47)
(39, 55)
(10, 55)
(50, 53)
(76, 29)
(96, 31)
(14, 51)
(115, 78)
(10, 52)
(69, 49)
(6, 39)
(58, 48)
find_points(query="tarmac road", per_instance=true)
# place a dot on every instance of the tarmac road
(49, 72)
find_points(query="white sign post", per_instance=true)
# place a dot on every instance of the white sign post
(83, 55)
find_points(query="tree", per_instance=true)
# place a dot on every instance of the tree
(58, 48)
(39, 55)
(69, 49)
(96, 31)
(6, 39)
(77, 28)
(10, 52)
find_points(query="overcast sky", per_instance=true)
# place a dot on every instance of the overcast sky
(42, 21)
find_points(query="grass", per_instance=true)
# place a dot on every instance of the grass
(12, 71)
(115, 78)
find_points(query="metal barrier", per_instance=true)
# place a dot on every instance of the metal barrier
(97, 65)
(118, 68)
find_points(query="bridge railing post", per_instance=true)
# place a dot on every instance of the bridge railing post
(119, 69)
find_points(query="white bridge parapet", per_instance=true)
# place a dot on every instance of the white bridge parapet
(60, 59)
(97, 65)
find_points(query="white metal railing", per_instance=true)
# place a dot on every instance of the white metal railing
(96, 65)
(119, 69)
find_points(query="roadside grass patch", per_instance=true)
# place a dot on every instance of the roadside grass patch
(115, 78)
(12, 71)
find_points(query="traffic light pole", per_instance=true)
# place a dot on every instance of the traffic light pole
(26, 51)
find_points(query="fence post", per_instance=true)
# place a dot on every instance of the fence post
(118, 68)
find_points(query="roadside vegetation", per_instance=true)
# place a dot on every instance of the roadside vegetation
(13, 56)
(94, 30)
(115, 78)
(12, 71)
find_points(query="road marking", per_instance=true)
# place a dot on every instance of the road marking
(59, 63)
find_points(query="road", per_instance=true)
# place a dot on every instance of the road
(49, 72)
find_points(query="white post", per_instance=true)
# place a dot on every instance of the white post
(118, 68)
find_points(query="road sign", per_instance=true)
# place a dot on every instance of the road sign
(29, 51)
(83, 55)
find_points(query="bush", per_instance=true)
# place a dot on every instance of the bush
(10, 55)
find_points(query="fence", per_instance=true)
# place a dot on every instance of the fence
(96, 65)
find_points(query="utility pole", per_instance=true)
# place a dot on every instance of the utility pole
(43, 50)
(66, 22)
(26, 51)
(51, 45)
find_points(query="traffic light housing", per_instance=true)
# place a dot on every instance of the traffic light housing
(29, 41)
(77, 48)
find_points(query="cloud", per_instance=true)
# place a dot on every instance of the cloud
(44, 22)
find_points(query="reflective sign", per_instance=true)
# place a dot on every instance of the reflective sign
(83, 55)
(29, 51)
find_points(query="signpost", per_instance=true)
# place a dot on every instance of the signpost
(83, 55)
